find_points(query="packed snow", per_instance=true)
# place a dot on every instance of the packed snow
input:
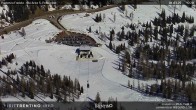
(102, 76)
(115, 18)
(79, 7)
(61, 59)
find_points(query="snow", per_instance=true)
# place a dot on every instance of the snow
(66, 7)
(1, 8)
(81, 23)
(143, 13)
(85, 47)
(102, 76)
(3, 11)
(50, 7)
(78, 7)
(61, 59)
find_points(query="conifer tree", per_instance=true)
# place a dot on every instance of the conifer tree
(1, 105)
(97, 98)
(100, 18)
(183, 17)
(90, 29)
(23, 85)
(110, 45)
(81, 90)
(32, 89)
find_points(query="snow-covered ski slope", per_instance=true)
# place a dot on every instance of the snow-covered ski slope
(61, 59)
(143, 13)
(115, 18)
(103, 76)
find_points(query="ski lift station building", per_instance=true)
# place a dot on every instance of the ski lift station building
(83, 49)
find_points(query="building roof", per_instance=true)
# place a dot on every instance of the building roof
(85, 47)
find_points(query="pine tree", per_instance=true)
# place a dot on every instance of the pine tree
(23, 32)
(122, 35)
(168, 89)
(78, 86)
(135, 4)
(100, 18)
(111, 36)
(119, 66)
(32, 89)
(152, 89)
(17, 79)
(97, 18)
(123, 7)
(1, 105)
(90, 29)
(146, 89)
(192, 31)
(127, 56)
(97, 98)
(81, 90)
(156, 33)
(51, 94)
(23, 85)
(118, 49)
(155, 22)
(42, 71)
(183, 17)
(130, 72)
(110, 45)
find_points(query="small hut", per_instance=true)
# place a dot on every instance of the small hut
(84, 49)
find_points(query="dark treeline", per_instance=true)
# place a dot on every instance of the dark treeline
(165, 35)
(19, 13)
(169, 88)
(161, 49)
(7, 59)
(32, 79)
(174, 89)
